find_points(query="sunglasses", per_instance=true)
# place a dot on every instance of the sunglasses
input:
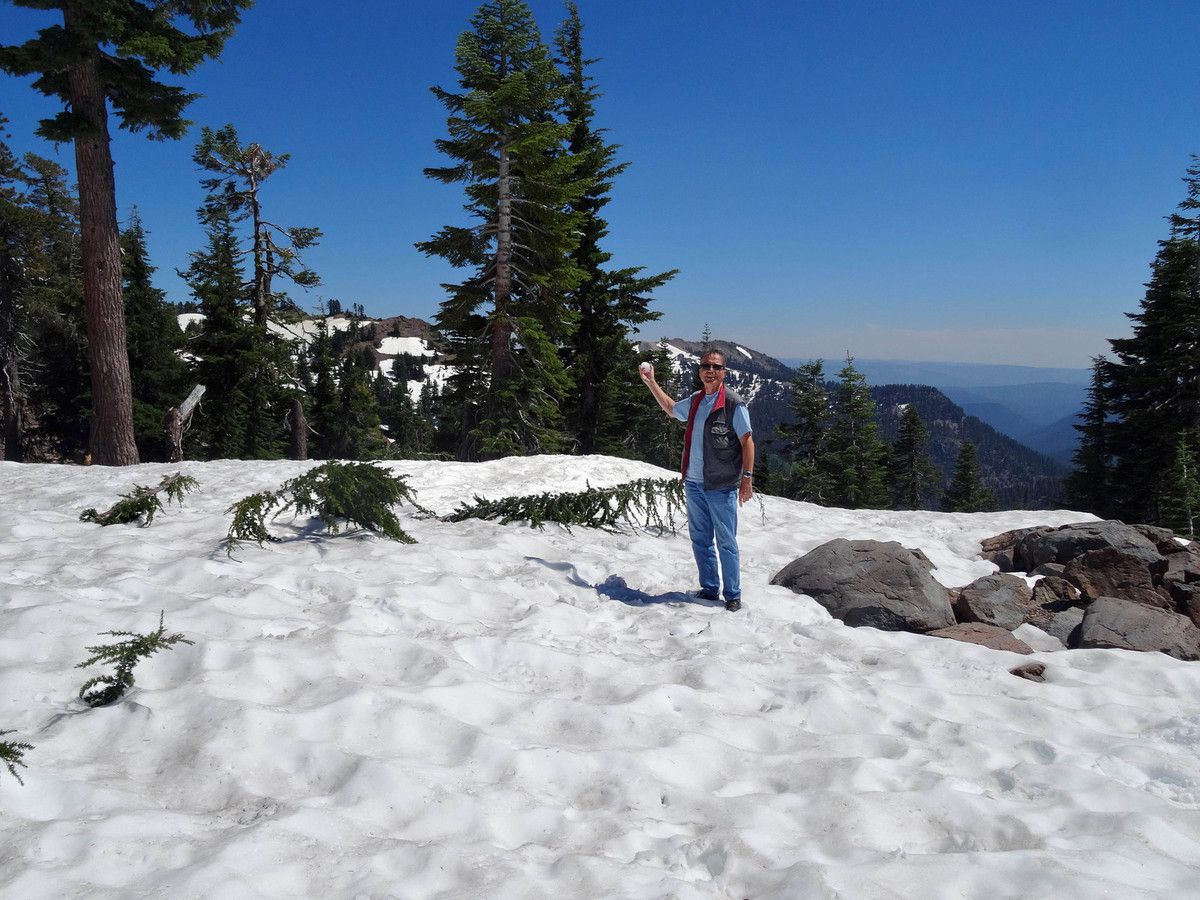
(711, 367)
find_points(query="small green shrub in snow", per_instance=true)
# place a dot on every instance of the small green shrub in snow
(646, 503)
(358, 494)
(12, 753)
(143, 502)
(124, 655)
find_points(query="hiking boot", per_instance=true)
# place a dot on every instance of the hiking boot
(711, 596)
(733, 604)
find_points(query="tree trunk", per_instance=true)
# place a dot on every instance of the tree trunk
(14, 432)
(112, 391)
(299, 448)
(502, 287)
(260, 269)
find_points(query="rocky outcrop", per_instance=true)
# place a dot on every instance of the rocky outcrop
(1112, 622)
(880, 584)
(1066, 542)
(1108, 584)
(1103, 584)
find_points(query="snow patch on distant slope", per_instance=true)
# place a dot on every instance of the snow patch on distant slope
(413, 346)
(746, 353)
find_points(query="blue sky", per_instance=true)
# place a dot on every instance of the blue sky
(958, 181)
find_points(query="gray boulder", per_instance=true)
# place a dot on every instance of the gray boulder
(1000, 600)
(1112, 572)
(984, 635)
(880, 584)
(1063, 544)
(1056, 609)
(1111, 622)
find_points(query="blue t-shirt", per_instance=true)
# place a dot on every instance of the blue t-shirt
(741, 425)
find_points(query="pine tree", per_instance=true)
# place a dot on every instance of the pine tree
(16, 237)
(107, 51)
(853, 461)
(235, 185)
(357, 431)
(1179, 494)
(609, 303)
(323, 401)
(1089, 486)
(806, 477)
(1154, 384)
(58, 387)
(966, 492)
(911, 473)
(649, 435)
(158, 374)
(223, 348)
(505, 322)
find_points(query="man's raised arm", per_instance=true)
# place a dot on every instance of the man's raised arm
(646, 371)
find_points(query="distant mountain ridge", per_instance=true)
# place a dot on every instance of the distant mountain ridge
(1036, 406)
(1019, 475)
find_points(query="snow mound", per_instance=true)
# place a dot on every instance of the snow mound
(498, 711)
(413, 346)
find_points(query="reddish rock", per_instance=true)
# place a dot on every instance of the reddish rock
(1000, 600)
(984, 635)
(1110, 572)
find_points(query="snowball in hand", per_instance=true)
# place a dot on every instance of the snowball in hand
(646, 367)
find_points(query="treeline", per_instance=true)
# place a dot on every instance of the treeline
(833, 452)
(537, 331)
(1138, 457)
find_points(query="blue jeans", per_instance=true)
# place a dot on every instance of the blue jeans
(714, 514)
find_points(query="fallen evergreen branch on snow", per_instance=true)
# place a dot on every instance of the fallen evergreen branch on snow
(357, 494)
(143, 502)
(12, 753)
(124, 655)
(645, 503)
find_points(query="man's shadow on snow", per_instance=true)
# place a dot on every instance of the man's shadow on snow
(615, 588)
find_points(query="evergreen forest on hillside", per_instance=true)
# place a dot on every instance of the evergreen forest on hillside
(535, 335)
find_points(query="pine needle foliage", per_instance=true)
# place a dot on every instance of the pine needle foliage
(356, 494)
(124, 655)
(12, 755)
(143, 502)
(645, 503)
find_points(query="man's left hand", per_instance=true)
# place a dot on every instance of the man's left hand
(745, 491)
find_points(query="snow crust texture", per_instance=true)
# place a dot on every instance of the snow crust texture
(507, 713)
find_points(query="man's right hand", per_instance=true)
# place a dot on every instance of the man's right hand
(646, 371)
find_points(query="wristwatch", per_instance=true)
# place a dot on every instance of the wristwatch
(748, 475)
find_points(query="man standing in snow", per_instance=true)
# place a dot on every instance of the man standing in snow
(718, 472)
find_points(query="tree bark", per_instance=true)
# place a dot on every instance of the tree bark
(502, 286)
(299, 449)
(112, 390)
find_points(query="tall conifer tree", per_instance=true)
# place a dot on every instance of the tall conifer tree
(1089, 486)
(912, 475)
(59, 380)
(806, 477)
(609, 303)
(107, 51)
(223, 348)
(854, 457)
(966, 492)
(505, 323)
(1154, 384)
(157, 372)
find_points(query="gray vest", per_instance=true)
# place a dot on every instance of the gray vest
(722, 448)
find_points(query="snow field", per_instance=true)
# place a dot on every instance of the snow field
(503, 712)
